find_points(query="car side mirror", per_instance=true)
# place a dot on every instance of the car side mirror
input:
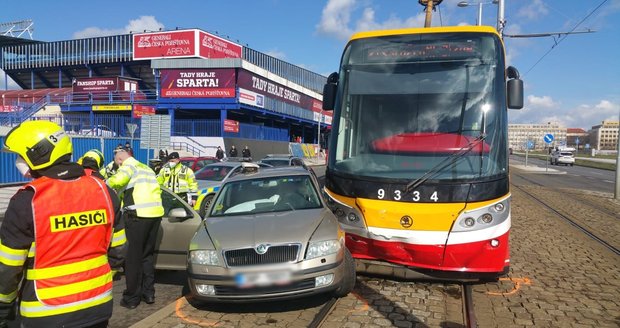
(179, 213)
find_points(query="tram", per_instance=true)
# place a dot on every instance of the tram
(417, 171)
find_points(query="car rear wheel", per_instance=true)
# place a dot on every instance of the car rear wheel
(348, 282)
(204, 207)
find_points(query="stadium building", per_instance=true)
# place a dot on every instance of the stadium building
(215, 92)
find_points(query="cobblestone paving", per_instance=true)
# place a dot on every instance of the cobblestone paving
(374, 303)
(585, 210)
(559, 277)
(387, 303)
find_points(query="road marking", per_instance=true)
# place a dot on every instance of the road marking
(179, 312)
(517, 285)
(364, 306)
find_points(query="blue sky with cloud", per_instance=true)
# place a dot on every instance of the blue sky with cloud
(576, 84)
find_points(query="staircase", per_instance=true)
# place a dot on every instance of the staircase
(15, 118)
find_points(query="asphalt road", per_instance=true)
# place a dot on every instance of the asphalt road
(574, 177)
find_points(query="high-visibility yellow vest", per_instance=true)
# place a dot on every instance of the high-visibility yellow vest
(139, 180)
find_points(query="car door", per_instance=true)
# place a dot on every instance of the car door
(175, 233)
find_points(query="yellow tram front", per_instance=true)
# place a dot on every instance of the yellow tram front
(418, 158)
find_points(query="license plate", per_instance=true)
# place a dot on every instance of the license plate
(260, 279)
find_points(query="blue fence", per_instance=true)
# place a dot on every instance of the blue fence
(9, 174)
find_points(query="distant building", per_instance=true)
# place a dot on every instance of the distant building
(605, 135)
(577, 138)
(520, 134)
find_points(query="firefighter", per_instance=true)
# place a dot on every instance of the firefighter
(142, 213)
(93, 160)
(179, 178)
(71, 218)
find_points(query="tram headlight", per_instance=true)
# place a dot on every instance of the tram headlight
(485, 218)
(339, 212)
(469, 222)
(352, 217)
(499, 207)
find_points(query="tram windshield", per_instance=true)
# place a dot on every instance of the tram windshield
(412, 101)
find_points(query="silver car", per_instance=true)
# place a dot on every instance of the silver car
(269, 235)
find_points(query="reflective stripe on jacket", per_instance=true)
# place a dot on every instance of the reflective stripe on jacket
(71, 270)
(139, 180)
(179, 179)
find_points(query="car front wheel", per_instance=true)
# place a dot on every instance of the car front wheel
(204, 207)
(348, 281)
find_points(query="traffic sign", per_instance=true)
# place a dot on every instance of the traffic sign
(530, 144)
(548, 138)
(587, 146)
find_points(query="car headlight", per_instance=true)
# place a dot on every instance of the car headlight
(204, 257)
(322, 248)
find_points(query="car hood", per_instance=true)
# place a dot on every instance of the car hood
(231, 232)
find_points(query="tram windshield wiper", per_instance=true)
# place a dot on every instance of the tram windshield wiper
(446, 162)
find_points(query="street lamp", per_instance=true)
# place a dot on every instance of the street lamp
(467, 4)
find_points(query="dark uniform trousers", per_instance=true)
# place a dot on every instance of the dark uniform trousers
(140, 260)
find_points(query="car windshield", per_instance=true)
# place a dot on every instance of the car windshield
(188, 162)
(272, 194)
(275, 161)
(213, 172)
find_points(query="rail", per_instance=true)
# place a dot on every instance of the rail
(570, 221)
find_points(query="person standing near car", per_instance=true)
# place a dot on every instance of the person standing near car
(71, 217)
(246, 152)
(179, 178)
(233, 151)
(128, 148)
(142, 213)
(219, 153)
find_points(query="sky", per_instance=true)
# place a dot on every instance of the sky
(570, 80)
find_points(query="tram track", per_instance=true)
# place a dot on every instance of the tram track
(469, 315)
(323, 313)
(581, 227)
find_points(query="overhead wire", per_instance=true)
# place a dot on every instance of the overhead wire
(560, 39)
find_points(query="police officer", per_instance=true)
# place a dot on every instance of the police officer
(93, 160)
(142, 212)
(179, 178)
(71, 218)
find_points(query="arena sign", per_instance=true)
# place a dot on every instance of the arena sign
(183, 44)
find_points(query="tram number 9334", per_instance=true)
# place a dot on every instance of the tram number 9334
(399, 195)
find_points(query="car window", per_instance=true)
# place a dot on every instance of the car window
(169, 202)
(272, 194)
(213, 172)
(188, 163)
(275, 162)
(566, 154)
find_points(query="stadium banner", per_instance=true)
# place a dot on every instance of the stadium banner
(231, 126)
(111, 107)
(212, 46)
(171, 44)
(198, 83)
(251, 98)
(10, 108)
(141, 110)
(95, 84)
(271, 89)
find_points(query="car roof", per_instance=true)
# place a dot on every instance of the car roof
(188, 158)
(269, 173)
